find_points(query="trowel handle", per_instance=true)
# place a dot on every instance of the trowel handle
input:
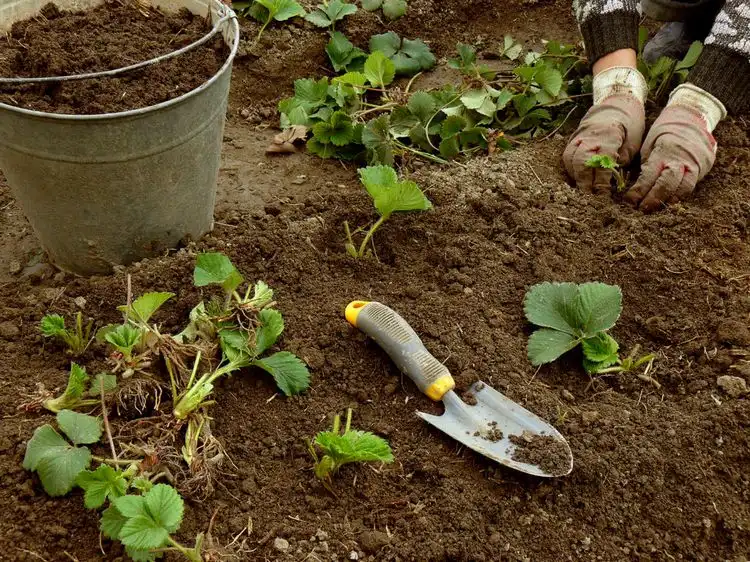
(403, 345)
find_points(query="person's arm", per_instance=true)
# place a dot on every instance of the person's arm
(680, 148)
(615, 124)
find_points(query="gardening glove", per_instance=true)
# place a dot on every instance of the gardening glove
(613, 127)
(679, 150)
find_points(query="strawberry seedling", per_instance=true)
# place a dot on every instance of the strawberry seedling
(604, 162)
(409, 56)
(329, 12)
(665, 73)
(78, 393)
(392, 9)
(389, 195)
(350, 446)
(77, 339)
(570, 315)
(266, 11)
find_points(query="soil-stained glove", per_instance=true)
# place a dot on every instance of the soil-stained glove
(679, 149)
(614, 127)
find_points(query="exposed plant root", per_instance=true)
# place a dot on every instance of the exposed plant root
(142, 394)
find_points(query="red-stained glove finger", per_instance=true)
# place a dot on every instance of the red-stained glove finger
(687, 186)
(664, 189)
(649, 174)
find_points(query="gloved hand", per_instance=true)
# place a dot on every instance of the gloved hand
(614, 127)
(679, 150)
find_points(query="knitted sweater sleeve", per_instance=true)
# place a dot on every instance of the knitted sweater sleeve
(724, 67)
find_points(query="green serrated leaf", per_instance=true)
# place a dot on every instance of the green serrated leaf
(599, 306)
(142, 555)
(511, 49)
(450, 147)
(165, 506)
(320, 149)
(379, 70)
(390, 195)
(419, 51)
(103, 379)
(387, 43)
(452, 126)
(342, 53)
(76, 388)
(600, 348)
(271, 327)
(545, 345)
(473, 99)
(311, 92)
(111, 522)
(52, 325)
(319, 18)
(354, 446)
(131, 506)
(503, 99)
(216, 269)
(80, 428)
(339, 131)
(289, 372)
(144, 307)
(549, 79)
(402, 121)
(691, 57)
(143, 533)
(394, 9)
(523, 103)
(602, 161)
(423, 105)
(282, 10)
(371, 5)
(44, 441)
(100, 485)
(553, 305)
(376, 137)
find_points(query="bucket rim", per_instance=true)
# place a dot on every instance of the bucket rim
(143, 110)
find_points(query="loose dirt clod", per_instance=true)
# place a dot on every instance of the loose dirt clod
(107, 37)
(492, 433)
(544, 451)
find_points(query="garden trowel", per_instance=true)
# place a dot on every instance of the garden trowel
(490, 423)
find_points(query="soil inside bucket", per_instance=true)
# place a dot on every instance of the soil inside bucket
(110, 36)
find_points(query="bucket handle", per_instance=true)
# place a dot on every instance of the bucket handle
(106, 73)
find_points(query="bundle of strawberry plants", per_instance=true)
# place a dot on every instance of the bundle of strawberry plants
(361, 114)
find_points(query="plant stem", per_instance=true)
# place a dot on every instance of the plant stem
(348, 420)
(262, 29)
(189, 553)
(106, 421)
(195, 370)
(369, 234)
(120, 462)
(336, 423)
(172, 380)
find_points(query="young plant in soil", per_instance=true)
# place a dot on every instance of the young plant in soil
(329, 12)
(77, 338)
(246, 327)
(571, 315)
(338, 449)
(605, 162)
(266, 11)
(79, 393)
(392, 9)
(389, 195)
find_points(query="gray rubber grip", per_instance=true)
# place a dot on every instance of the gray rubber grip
(403, 345)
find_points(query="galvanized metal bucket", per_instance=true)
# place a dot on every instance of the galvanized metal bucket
(109, 189)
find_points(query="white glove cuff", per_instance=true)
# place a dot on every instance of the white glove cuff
(699, 99)
(622, 80)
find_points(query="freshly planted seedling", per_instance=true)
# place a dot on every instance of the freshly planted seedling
(329, 12)
(389, 195)
(58, 462)
(608, 163)
(572, 315)
(77, 339)
(144, 524)
(246, 326)
(266, 11)
(79, 393)
(392, 9)
(409, 56)
(353, 445)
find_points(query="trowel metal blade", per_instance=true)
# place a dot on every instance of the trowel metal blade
(469, 425)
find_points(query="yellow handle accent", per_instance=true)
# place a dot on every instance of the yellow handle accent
(352, 311)
(437, 390)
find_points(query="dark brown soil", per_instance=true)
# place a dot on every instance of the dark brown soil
(491, 433)
(113, 35)
(544, 451)
(660, 473)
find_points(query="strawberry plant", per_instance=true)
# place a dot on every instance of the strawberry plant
(79, 393)
(266, 11)
(392, 9)
(665, 73)
(77, 339)
(570, 315)
(389, 195)
(338, 449)
(342, 53)
(409, 56)
(606, 162)
(329, 12)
